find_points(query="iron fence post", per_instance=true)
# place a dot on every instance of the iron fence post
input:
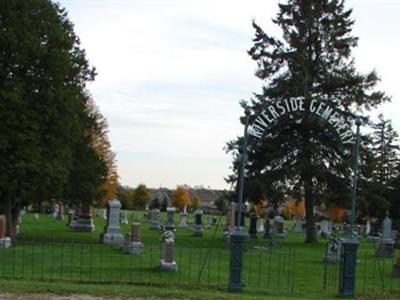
(239, 234)
(349, 256)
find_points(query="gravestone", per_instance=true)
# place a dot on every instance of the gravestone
(297, 227)
(167, 262)
(367, 228)
(333, 250)
(326, 228)
(183, 222)
(5, 242)
(55, 209)
(155, 219)
(386, 245)
(197, 228)
(132, 243)
(36, 216)
(61, 211)
(169, 225)
(253, 225)
(124, 217)
(260, 225)
(104, 213)
(112, 231)
(70, 216)
(84, 222)
(279, 227)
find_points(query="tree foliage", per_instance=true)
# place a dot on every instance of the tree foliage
(301, 154)
(45, 133)
(181, 198)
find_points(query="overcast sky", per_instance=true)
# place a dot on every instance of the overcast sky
(171, 74)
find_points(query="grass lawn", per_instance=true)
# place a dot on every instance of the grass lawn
(70, 260)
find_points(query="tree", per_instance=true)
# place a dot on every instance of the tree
(301, 154)
(141, 197)
(102, 147)
(126, 195)
(180, 198)
(196, 202)
(43, 74)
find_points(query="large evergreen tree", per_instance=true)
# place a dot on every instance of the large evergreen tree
(44, 120)
(301, 154)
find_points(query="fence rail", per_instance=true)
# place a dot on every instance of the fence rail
(96, 263)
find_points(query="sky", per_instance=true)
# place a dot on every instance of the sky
(171, 74)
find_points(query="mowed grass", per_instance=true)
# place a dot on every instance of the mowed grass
(47, 250)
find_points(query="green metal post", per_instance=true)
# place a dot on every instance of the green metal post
(349, 257)
(239, 234)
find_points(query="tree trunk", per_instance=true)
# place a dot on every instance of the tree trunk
(311, 234)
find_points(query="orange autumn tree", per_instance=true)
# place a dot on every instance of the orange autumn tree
(102, 146)
(336, 213)
(293, 207)
(180, 198)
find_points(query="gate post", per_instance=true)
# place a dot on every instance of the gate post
(348, 269)
(239, 234)
(236, 260)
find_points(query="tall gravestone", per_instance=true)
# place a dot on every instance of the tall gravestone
(386, 245)
(374, 234)
(298, 225)
(61, 211)
(197, 228)
(167, 262)
(5, 241)
(84, 222)
(333, 250)
(112, 232)
(169, 225)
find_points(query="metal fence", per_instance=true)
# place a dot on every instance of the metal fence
(374, 275)
(96, 263)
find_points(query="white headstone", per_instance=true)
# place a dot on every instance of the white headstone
(112, 231)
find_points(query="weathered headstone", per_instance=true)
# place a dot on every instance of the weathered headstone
(386, 245)
(167, 262)
(155, 219)
(183, 222)
(70, 216)
(367, 228)
(326, 228)
(253, 225)
(279, 227)
(5, 241)
(197, 228)
(169, 225)
(124, 217)
(132, 243)
(333, 250)
(84, 222)
(112, 231)
(297, 227)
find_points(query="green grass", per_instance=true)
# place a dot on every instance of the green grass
(71, 259)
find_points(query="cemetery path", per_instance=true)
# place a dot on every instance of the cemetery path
(12, 296)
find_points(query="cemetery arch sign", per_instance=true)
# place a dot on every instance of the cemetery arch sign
(319, 108)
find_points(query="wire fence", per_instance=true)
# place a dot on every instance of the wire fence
(374, 275)
(96, 263)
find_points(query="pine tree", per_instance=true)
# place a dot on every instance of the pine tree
(301, 154)
(386, 150)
